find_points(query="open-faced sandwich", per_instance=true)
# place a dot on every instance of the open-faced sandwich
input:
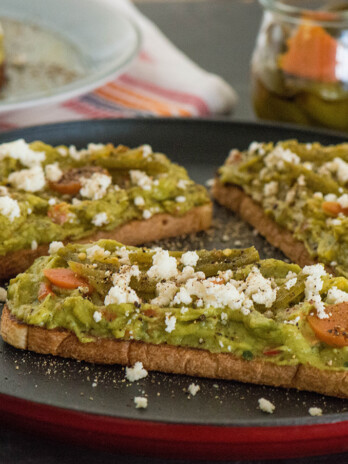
(60, 193)
(220, 314)
(295, 195)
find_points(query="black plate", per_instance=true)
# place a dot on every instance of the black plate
(201, 146)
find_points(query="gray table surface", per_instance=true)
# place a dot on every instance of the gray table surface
(219, 35)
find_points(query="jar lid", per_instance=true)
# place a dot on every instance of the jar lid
(333, 13)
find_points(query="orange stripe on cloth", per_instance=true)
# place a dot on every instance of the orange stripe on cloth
(131, 99)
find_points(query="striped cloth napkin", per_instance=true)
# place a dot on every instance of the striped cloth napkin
(161, 81)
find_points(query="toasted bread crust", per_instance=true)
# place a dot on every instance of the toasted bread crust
(172, 359)
(238, 201)
(132, 233)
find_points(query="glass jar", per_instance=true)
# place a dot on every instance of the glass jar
(300, 63)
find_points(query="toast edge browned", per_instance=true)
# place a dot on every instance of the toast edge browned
(237, 200)
(172, 359)
(134, 232)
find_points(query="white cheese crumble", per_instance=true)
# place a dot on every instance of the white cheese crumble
(165, 292)
(190, 258)
(140, 402)
(53, 172)
(139, 201)
(54, 247)
(335, 296)
(343, 200)
(270, 189)
(136, 372)
(121, 292)
(318, 195)
(100, 219)
(266, 406)
(9, 208)
(62, 151)
(163, 266)
(255, 147)
(182, 184)
(340, 167)
(330, 197)
(147, 214)
(180, 199)
(96, 252)
(260, 289)
(210, 182)
(22, 152)
(290, 283)
(52, 201)
(3, 294)
(170, 322)
(334, 222)
(278, 156)
(147, 150)
(301, 181)
(193, 389)
(34, 245)
(313, 285)
(29, 180)
(95, 187)
(315, 411)
(97, 316)
(141, 179)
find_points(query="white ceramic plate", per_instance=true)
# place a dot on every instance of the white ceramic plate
(101, 42)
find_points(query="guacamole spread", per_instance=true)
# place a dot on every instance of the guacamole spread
(61, 193)
(224, 301)
(302, 187)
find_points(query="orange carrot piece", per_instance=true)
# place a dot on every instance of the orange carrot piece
(65, 278)
(44, 290)
(311, 54)
(334, 330)
(331, 207)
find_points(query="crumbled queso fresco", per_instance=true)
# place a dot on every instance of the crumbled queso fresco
(315, 411)
(193, 389)
(266, 406)
(140, 402)
(187, 287)
(137, 372)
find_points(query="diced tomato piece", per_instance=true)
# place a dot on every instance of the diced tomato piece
(271, 352)
(59, 213)
(44, 290)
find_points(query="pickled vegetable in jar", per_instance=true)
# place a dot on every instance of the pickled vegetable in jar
(300, 63)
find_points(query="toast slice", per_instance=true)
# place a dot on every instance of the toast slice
(219, 314)
(50, 194)
(295, 195)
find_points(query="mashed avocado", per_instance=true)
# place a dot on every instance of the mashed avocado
(59, 193)
(224, 301)
(303, 187)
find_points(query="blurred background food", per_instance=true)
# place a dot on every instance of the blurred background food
(35, 59)
(300, 63)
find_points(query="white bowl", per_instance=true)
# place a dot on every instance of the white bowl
(105, 40)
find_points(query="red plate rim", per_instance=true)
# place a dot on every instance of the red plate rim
(175, 440)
